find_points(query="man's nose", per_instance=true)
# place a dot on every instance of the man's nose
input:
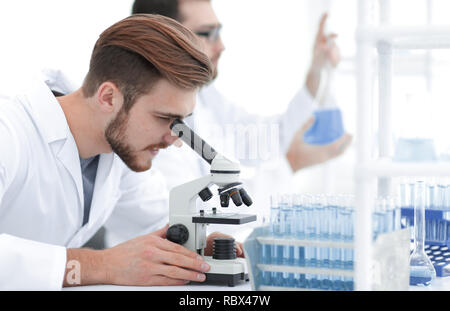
(218, 45)
(170, 137)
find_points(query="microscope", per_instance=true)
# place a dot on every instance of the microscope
(187, 225)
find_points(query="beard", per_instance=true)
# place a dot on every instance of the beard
(115, 135)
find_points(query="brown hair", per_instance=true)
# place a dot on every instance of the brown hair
(141, 49)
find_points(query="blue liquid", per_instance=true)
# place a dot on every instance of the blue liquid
(377, 219)
(286, 231)
(335, 253)
(299, 251)
(389, 217)
(310, 252)
(327, 127)
(276, 250)
(348, 284)
(266, 278)
(420, 276)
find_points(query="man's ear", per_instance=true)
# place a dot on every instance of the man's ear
(109, 98)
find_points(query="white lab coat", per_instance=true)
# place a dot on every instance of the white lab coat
(41, 191)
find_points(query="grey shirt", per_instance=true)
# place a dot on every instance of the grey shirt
(88, 172)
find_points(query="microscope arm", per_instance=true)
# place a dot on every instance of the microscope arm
(187, 192)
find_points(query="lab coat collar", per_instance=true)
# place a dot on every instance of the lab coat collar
(55, 130)
(52, 124)
(47, 112)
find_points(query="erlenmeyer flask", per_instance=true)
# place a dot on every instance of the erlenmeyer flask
(422, 271)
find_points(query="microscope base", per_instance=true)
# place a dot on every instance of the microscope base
(226, 271)
(230, 279)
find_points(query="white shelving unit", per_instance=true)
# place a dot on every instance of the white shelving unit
(383, 38)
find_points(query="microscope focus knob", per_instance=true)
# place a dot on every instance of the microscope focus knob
(205, 194)
(178, 234)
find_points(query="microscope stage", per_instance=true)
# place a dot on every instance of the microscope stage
(223, 218)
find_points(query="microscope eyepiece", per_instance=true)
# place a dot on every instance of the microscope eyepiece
(186, 134)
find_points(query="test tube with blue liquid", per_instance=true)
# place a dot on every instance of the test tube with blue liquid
(377, 218)
(276, 250)
(286, 228)
(431, 196)
(299, 226)
(447, 196)
(335, 203)
(347, 214)
(440, 195)
(323, 261)
(411, 198)
(266, 251)
(390, 214)
(310, 234)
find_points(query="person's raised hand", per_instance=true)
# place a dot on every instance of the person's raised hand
(301, 154)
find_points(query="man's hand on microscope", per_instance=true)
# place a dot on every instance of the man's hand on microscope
(152, 260)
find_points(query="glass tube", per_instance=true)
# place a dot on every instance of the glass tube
(422, 271)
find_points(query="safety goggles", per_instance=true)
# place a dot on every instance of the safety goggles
(211, 35)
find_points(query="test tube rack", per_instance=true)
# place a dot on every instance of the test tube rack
(437, 236)
(272, 274)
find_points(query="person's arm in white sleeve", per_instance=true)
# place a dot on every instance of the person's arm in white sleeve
(142, 207)
(291, 123)
(24, 264)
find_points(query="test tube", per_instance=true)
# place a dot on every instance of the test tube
(389, 214)
(276, 250)
(286, 227)
(316, 262)
(324, 235)
(335, 204)
(310, 234)
(431, 196)
(286, 223)
(411, 195)
(299, 251)
(377, 218)
(440, 196)
(442, 231)
(266, 252)
(402, 195)
(397, 214)
(447, 197)
(347, 235)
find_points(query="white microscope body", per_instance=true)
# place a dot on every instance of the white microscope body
(187, 225)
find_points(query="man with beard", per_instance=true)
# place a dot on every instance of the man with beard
(66, 162)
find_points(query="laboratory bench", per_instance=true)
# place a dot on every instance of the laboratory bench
(439, 284)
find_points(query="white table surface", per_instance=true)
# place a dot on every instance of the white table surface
(439, 284)
(196, 287)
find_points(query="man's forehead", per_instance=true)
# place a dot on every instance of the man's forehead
(198, 14)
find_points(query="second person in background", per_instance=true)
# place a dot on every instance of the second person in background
(228, 127)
